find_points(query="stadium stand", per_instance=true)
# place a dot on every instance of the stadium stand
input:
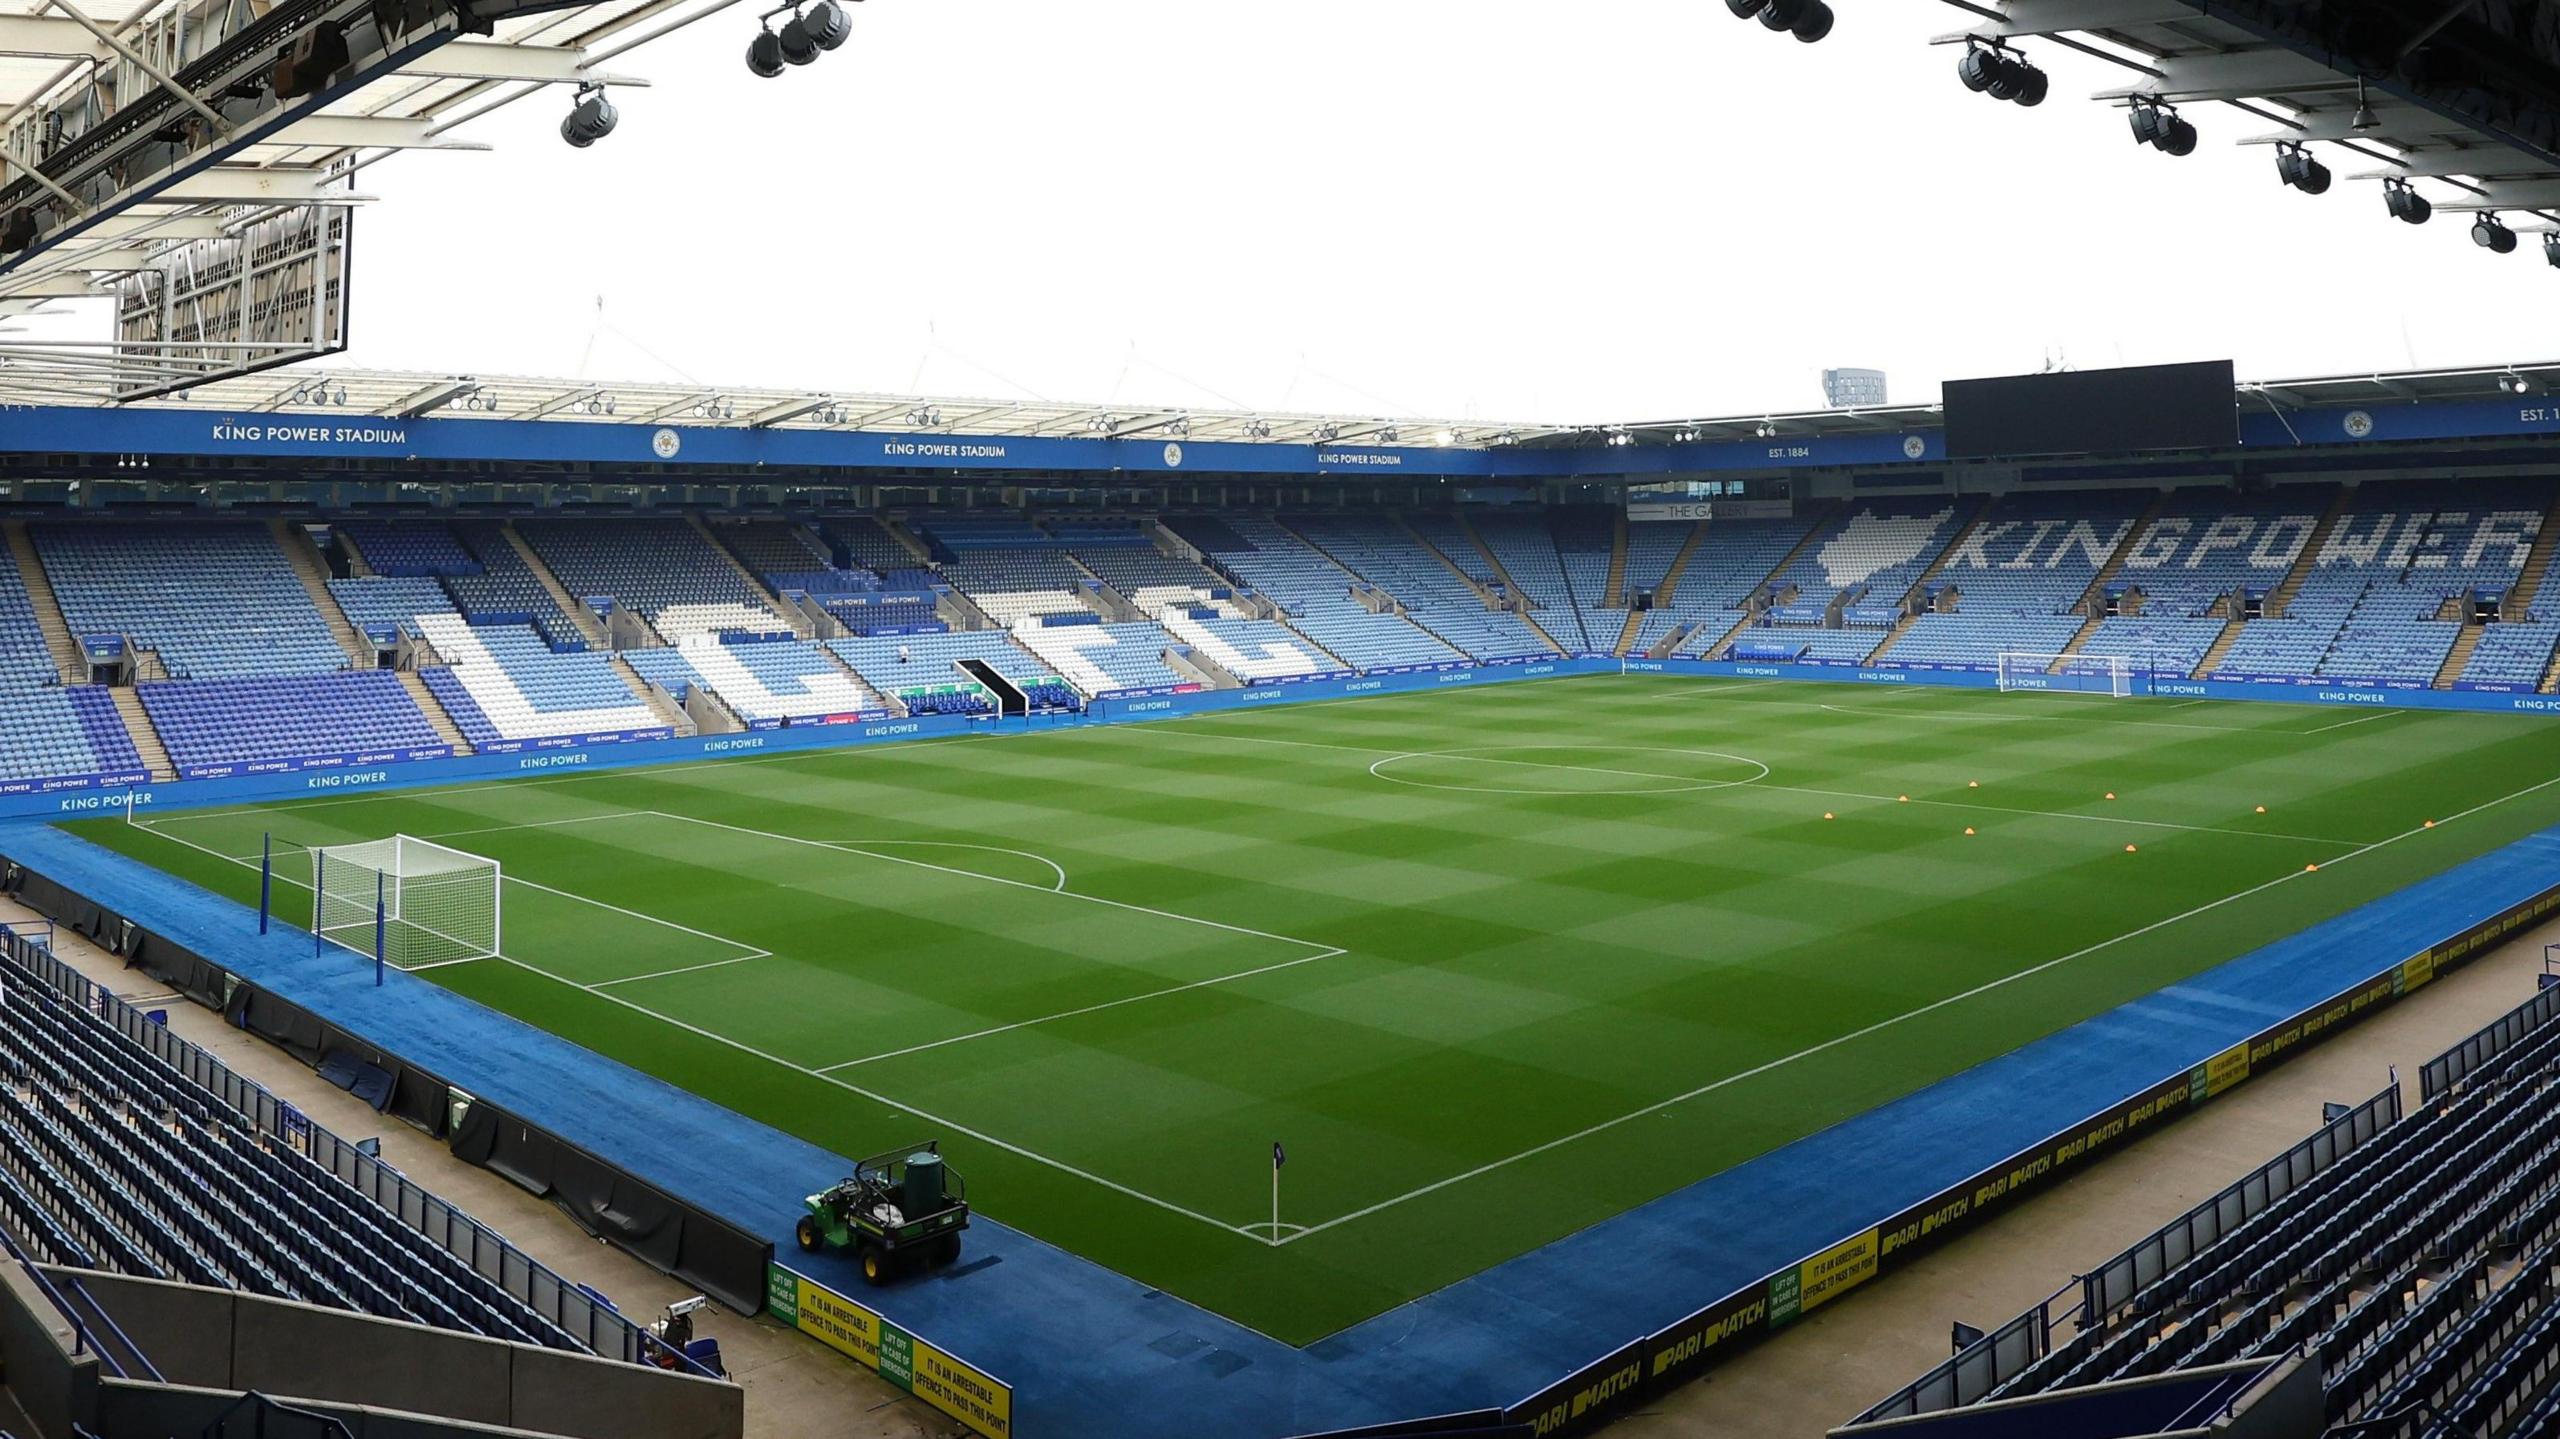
(666, 570)
(1531, 556)
(769, 682)
(1102, 659)
(2378, 584)
(1698, 600)
(390, 603)
(2016, 580)
(503, 589)
(934, 661)
(1313, 593)
(111, 1160)
(214, 600)
(220, 727)
(2207, 546)
(1438, 597)
(2417, 1268)
(1255, 651)
(504, 687)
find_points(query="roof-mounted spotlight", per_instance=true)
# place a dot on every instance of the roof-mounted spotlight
(813, 29)
(2158, 126)
(2295, 167)
(591, 119)
(2491, 234)
(2517, 384)
(1807, 20)
(2551, 248)
(1992, 68)
(2406, 204)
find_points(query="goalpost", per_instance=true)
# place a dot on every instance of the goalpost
(2072, 674)
(423, 903)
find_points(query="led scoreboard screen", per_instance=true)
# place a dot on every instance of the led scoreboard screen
(2080, 412)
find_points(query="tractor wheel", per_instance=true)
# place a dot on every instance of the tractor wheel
(875, 1266)
(945, 1250)
(806, 1231)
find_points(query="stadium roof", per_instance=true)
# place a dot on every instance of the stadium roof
(402, 395)
(2467, 103)
(135, 132)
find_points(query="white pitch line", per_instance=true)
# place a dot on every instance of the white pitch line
(989, 878)
(1088, 1009)
(2359, 719)
(1967, 715)
(902, 1107)
(871, 1095)
(683, 969)
(1856, 1034)
(251, 862)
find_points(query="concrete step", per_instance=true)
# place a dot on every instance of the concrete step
(146, 738)
(1679, 566)
(313, 571)
(2537, 566)
(437, 718)
(589, 627)
(2463, 645)
(2222, 644)
(801, 624)
(2308, 560)
(58, 643)
(657, 701)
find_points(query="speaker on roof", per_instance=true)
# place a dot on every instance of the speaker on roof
(304, 66)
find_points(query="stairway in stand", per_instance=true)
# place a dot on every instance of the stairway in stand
(590, 628)
(58, 643)
(2222, 644)
(656, 699)
(792, 615)
(313, 571)
(2537, 567)
(2307, 561)
(437, 718)
(2460, 655)
(146, 738)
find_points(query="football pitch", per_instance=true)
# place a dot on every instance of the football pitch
(1493, 964)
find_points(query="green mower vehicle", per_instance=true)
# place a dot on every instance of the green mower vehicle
(900, 1210)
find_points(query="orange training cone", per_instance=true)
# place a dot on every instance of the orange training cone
(2128, 849)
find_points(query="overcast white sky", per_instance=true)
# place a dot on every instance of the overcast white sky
(1473, 208)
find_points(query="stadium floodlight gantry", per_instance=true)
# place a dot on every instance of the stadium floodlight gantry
(2460, 98)
(156, 146)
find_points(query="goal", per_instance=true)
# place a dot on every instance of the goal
(2081, 674)
(429, 904)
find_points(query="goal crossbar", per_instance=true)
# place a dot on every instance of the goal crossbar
(2069, 673)
(408, 901)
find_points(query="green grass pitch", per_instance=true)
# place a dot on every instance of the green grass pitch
(1494, 964)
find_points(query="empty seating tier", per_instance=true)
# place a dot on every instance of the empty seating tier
(248, 726)
(215, 599)
(662, 569)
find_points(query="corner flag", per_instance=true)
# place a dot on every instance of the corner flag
(1279, 1156)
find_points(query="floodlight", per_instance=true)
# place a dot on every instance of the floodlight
(2551, 248)
(2406, 204)
(2491, 234)
(2295, 167)
(764, 54)
(591, 119)
(2364, 117)
(827, 23)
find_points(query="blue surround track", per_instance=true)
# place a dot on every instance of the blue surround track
(1090, 1352)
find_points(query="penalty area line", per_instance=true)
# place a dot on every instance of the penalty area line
(1888, 1022)
(901, 1106)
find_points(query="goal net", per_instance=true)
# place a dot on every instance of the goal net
(2080, 674)
(430, 904)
